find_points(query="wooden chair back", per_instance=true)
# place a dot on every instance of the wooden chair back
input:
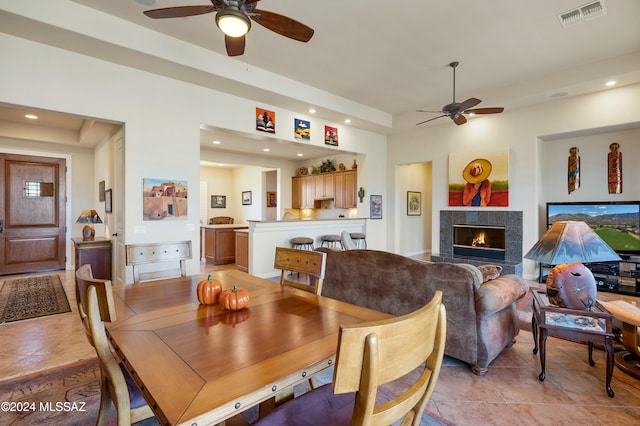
(96, 306)
(375, 353)
(310, 263)
(220, 220)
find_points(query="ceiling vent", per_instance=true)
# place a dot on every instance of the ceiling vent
(592, 10)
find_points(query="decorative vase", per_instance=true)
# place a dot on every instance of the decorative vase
(354, 165)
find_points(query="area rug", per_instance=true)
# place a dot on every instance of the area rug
(32, 297)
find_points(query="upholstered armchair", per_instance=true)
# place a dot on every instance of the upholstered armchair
(481, 316)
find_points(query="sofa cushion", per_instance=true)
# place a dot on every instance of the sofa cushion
(490, 272)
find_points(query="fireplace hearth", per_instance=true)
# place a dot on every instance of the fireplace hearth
(504, 250)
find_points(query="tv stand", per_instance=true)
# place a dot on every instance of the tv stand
(621, 277)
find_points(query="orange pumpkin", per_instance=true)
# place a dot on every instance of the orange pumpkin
(209, 291)
(234, 299)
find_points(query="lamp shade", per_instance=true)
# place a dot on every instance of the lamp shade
(571, 242)
(89, 216)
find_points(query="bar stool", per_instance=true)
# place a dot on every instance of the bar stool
(302, 243)
(359, 239)
(332, 240)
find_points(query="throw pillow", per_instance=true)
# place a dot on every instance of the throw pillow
(490, 272)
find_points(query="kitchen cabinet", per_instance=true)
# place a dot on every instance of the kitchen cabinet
(95, 252)
(323, 186)
(220, 244)
(242, 250)
(339, 186)
(345, 189)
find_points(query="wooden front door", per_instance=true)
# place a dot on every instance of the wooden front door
(32, 213)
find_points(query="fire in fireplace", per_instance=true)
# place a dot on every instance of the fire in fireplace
(479, 241)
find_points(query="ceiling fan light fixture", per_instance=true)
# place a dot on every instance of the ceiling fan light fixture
(233, 22)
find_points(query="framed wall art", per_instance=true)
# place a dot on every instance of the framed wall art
(414, 203)
(218, 201)
(375, 207)
(331, 135)
(164, 199)
(101, 190)
(265, 120)
(108, 201)
(271, 199)
(302, 129)
(246, 198)
(480, 178)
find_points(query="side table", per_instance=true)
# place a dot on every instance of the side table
(96, 252)
(594, 326)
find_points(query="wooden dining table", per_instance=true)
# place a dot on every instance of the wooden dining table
(200, 364)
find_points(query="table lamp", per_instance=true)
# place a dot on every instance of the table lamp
(88, 217)
(567, 245)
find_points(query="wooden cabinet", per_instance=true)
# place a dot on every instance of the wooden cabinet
(339, 186)
(97, 253)
(242, 250)
(220, 245)
(345, 189)
(323, 186)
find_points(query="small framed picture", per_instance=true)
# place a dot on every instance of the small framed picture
(108, 207)
(375, 207)
(218, 201)
(101, 190)
(414, 203)
(271, 199)
(246, 198)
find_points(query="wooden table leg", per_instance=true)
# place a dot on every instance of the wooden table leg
(534, 330)
(591, 361)
(542, 343)
(608, 344)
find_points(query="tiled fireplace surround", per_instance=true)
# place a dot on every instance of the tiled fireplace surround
(511, 220)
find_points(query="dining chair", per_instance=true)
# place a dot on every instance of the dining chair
(310, 263)
(369, 356)
(96, 306)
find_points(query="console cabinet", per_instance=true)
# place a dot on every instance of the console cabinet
(95, 252)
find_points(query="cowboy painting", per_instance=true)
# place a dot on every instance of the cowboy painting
(480, 179)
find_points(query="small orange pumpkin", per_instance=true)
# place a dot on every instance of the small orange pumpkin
(209, 291)
(234, 299)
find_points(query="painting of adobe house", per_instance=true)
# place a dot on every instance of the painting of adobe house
(164, 199)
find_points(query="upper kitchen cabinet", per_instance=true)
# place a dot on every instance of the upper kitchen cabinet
(345, 189)
(323, 186)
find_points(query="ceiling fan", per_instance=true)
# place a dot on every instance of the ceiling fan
(234, 18)
(456, 110)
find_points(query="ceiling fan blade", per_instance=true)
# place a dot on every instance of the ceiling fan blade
(434, 112)
(283, 25)
(469, 103)
(179, 11)
(234, 45)
(488, 110)
(431, 119)
(460, 120)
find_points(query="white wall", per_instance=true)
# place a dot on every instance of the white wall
(520, 130)
(162, 120)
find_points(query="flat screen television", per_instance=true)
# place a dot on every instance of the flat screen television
(616, 222)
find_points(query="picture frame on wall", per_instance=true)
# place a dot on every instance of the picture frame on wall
(101, 190)
(218, 201)
(108, 206)
(271, 199)
(414, 203)
(375, 207)
(246, 198)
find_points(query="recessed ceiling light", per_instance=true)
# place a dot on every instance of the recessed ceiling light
(348, 120)
(216, 142)
(31, 116)
(611, 83)
(266, 150)
(221, 164)
(312, 111)
(300, 154)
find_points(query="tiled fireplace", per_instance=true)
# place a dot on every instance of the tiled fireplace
(481, 236)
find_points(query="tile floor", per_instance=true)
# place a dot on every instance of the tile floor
(510, 393)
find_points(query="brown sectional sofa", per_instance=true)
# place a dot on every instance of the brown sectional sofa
(481, 317)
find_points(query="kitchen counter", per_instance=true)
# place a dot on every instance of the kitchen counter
(266, 235)
(226, 226)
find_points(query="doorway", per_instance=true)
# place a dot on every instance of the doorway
(414, 230)
(32, 213)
